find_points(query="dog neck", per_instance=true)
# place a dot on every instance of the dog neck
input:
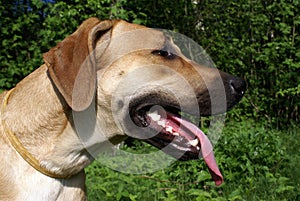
(42, 122)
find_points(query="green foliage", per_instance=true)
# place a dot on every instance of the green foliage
(260, 41)
(19, 33)
(252, 157)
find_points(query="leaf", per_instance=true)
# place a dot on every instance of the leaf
(203, 176)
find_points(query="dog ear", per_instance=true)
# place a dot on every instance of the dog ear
(72, 63)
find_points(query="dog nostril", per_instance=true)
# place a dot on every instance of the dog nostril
(238, 85)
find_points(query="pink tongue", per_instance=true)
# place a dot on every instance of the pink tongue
(206, 149)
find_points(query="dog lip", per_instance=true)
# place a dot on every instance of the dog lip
(138, 108)
(183, 146)
(180, 144)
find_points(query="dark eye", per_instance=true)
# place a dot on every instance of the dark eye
(164, 53)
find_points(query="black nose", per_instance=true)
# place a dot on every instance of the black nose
(238, 86)
(235, 89)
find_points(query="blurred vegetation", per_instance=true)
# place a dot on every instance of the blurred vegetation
(257, 40)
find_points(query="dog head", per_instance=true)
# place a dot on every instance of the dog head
(138, 77)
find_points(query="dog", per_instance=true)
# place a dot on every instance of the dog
(120, 72)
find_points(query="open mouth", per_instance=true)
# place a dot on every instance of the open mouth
(177, 136)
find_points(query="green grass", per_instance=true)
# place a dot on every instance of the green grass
(257, 162)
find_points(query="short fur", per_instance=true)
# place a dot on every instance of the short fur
(94, 60)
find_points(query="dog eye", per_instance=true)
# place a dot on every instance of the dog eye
(164, 53)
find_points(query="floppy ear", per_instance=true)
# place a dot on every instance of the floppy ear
(72, 66)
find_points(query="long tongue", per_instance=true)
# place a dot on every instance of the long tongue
(206, 149)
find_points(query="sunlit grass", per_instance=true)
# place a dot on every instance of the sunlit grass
(272, 173)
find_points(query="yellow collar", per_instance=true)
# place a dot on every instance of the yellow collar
(21, 149)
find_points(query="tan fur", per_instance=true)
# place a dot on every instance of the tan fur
(39, 110)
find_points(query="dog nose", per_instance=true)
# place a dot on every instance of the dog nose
(238, 86)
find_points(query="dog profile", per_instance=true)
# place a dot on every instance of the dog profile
(121, 72)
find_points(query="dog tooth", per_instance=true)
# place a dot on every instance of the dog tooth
(161, 123)
(198, 148)
(176, 134)
(194, 142)
(169, 129)
(154, 116)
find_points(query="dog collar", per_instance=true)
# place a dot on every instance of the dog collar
(18, 146)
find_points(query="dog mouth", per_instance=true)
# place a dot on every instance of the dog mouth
(176, 136)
